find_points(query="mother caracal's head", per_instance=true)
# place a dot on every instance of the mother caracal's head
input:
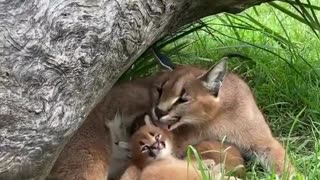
(186, 95)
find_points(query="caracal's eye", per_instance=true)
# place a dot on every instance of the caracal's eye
(151, 133)
(182, 100)
(159, 90)
(183, 97)
(144, 148)
(141, 143)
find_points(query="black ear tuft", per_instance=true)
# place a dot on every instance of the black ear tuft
(214, 77)
(163, 60)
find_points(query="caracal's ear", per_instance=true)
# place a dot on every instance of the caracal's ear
(164, 61)
(148, 121)
(214, 77)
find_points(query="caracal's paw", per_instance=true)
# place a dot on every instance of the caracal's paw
(210, 163)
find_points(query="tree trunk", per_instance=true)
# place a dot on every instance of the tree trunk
(58, 58)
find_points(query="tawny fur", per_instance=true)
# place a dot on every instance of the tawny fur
(225, 154)
(232, 115)
(164, 166)
(87, 154)
(131, 173)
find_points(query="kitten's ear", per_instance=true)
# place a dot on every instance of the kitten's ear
(147, 120)
(164, 61)
(214, 77)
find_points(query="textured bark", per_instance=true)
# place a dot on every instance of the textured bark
(59, 57)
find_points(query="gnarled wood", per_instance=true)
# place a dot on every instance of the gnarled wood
(58, 58)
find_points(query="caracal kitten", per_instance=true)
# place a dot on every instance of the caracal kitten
(152, 158)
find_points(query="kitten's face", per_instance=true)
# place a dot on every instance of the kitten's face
(149, 144)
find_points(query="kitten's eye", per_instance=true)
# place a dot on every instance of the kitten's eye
(144, 148)
(141, 143)
(157, 137)
(151, 133)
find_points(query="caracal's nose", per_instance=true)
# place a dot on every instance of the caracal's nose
(159, 112)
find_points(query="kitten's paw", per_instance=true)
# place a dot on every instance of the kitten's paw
(124, 145)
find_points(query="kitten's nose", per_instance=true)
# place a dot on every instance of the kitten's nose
(159, 113)
(159, 145)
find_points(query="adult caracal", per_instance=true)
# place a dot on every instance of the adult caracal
(198, 105)
(88, 154)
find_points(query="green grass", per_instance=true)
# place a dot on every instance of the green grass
(284, 72)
